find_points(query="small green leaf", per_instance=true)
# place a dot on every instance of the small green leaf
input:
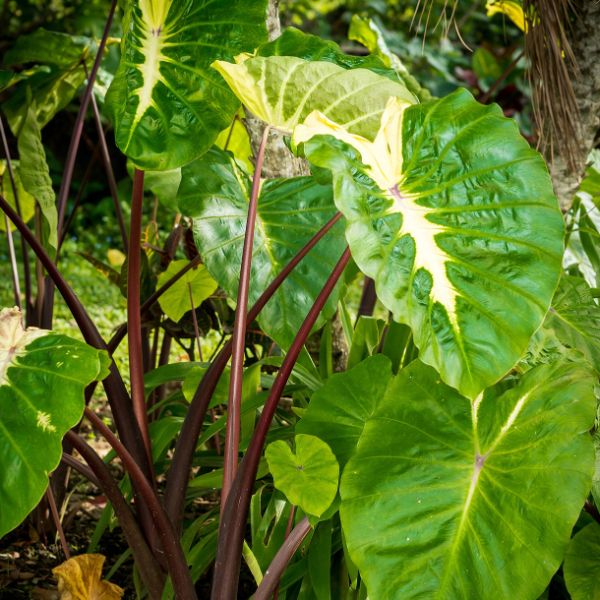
(309, 478)
(447, 499)
(582, 564)
(167, 105)
(175, 302)
(338, 411)
(35, 175)
(42, 379)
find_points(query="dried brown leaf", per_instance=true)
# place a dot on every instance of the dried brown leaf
(80, 578)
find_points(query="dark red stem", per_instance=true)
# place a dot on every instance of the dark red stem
(232, 432)
(273, 574)
(56, 518)
(65, 184)
(134, 315)
(115, 388)
(233, 520)
(122, 330)
(176, 561)
(150, 570)
(110, 174)
(178, 475)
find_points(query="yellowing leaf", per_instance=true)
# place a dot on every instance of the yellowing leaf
(115, 257)
(79, 578)
(175, 302)
(513, 10)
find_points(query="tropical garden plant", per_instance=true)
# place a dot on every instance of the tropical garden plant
(450, 453)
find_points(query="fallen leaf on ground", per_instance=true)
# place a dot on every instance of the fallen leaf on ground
(79, 578)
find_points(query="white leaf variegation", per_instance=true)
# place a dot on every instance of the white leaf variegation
(42, 379)
(284, 90)
(13, 337)
(453, 215)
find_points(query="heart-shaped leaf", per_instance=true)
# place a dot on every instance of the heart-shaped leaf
(446, 499)
(42, 379)
(176, 301)
(582, 564)
(284, 90)
(215, 192)
(167, 105)
(338, 411)
(453, 215)
(308, 477)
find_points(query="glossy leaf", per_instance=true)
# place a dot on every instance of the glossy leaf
(215, 192)
(35, 174)
(175, 302)
(338, 411)
(309, 476)
(42, 379)
(582, 564)
(575, 318)
(453, 215)
(446, 499)
(284, 90)
(167, 105)
(80, 578)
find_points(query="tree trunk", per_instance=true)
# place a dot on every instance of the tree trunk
(586, 48)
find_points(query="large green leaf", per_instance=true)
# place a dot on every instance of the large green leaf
(448, 499)
(49, 47)
(42, 379)
(453, 215)
(574, 318)
(51, 90)
(52, 87)
(167, 105)
(582, 564)
(35, 174)
(284, 90)
(309, 476)
(215, 192)
(338, 411)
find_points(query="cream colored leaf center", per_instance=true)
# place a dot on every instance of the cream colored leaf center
(13, 338)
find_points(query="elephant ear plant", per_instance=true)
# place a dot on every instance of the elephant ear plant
(454, 457)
